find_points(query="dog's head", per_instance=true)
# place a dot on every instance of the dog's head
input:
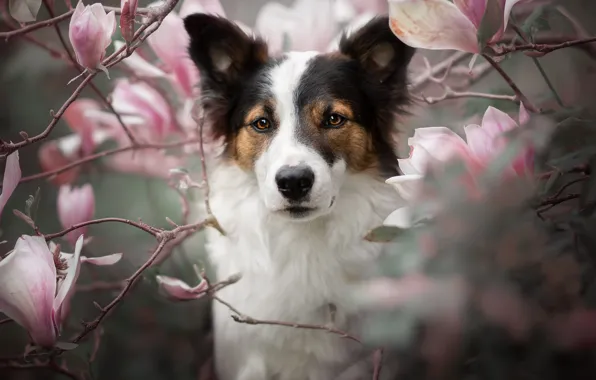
(302, 122)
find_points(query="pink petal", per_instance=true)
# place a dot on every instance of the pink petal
(84, 126)
(480, 142)
(75, 205)
(170, 42)
(12, 176)
(146, 163)
(66, 286)
(506, 7)
(87, 34)
(435, 144)
(472, 9)
(406, 185)
(102, 260)
(524, 115)
(179, 290)
(27, 288)
(139, 65)
(496, 122)
(432, 24)
(201, 6)
(24, 10)
(51, 157)
(143, 100)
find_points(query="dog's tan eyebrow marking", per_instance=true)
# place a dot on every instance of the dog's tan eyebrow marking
(343, 108)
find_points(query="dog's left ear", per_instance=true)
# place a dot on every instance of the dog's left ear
(380, 53)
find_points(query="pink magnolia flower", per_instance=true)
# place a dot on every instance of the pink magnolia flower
(179, 290)
(150, 163)
(484, 143)
(139, 65)
(24, 10)
(75, 205)
(153, 119)
(441, 24)
(308, 25)
(51, 157)
(170, 44)
(90, 34)
(33, 292)
(127, 18)
(10, 181)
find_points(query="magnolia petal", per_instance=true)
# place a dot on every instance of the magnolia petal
(24, 10)
(479, 141)
(432, 24)
(406, 185)
(10, 181)
(179, 290)
(524, 115)
(435, 143)
(75, 205)
(67, 285)
(27, 288)
(401, 218)
(85, 127)
(102, 260)
(51, 157)
(472, 9)
(506, 6)
(139, 65)
(495, 122)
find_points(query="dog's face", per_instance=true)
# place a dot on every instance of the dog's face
(302, 122)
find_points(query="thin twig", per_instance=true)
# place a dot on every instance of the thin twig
(105, 153)
(55, 20)
(529, 106)
(452, 94)
(242, 318)
(423, 79)
(142, 226)
(540, 49)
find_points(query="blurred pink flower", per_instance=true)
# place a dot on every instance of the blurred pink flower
(139, 65)
(152, 118)
(439, 144)
(52, 157)
(441, 24)
(24, 10)
(90, 34)
(150, 163)
(487, 141)
(127, 18)
(179, 290)
(75, 205)
(308, 24)
(170, 44)
(11, 178)
(29, 293)
(76, 118)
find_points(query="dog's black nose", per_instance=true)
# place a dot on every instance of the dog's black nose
(294, 182)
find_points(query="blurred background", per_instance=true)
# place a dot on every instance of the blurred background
(148, 336)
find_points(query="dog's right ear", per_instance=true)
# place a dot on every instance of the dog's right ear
(222, 51)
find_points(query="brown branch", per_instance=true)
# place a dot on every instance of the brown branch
(452, 94)
(5, 320)
(105, 153)
(155, 20)
(242, 318)
(91, 84)
(142, 226)
(55, 20)
(46, 364)
(540, 49)
(529, 106)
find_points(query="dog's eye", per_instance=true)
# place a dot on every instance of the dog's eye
(335, 120)
(261, 125)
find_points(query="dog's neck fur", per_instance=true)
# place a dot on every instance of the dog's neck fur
(291, 271)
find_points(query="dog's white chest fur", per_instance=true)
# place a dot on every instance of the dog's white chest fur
(291, 272)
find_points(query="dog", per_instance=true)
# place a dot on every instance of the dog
(308, 141)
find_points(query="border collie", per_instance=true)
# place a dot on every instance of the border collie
(308, 140)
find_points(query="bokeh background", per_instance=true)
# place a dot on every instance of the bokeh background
(147, 336)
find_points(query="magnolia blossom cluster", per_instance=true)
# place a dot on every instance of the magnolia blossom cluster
(483, 144)
(465, 25)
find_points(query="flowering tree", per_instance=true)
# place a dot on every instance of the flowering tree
(490, 206)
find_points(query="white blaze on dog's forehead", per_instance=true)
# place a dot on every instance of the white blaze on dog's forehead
(285, 78)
